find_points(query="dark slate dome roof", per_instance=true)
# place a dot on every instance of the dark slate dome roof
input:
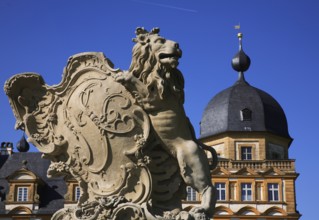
(243, 108)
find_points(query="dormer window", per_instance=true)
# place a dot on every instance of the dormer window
(23, 190)
(246, 114)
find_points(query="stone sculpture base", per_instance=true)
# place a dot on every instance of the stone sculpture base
(117, 208)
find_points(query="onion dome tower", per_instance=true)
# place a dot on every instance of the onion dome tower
(243, 107)
(254, 178)
(23, 145)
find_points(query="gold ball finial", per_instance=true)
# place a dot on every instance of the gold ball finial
(240, 35)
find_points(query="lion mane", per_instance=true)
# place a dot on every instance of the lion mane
(146, 66)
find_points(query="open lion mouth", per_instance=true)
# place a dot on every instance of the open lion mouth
(175, 55)
(170, 59)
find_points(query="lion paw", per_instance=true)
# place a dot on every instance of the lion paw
(123, 77)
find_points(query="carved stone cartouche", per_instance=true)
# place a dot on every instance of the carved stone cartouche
(85, 125)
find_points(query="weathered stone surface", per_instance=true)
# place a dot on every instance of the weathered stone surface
(123, 135)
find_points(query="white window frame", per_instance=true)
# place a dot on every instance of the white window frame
(245, 154)
(77, 193)
(22, 194)
(221, 191)
(273, 192)
(191, 194)
(255, 147)
(246, 192)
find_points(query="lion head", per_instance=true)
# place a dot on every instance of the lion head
(155, 60)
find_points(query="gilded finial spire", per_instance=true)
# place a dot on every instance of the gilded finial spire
(240, 37)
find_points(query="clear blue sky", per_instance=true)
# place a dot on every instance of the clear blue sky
(280, 36)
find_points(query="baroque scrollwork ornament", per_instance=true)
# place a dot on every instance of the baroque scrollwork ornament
(123, 135)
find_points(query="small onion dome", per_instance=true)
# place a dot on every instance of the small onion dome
(241, 61)
(23, 145)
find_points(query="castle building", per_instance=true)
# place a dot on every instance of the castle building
(26, 193)
(255, 178)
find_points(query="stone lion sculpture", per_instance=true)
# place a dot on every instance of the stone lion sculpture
(158, 85)
(123, 135)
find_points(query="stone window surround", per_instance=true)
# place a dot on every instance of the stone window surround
(246, 187)
(236, 183)
(254, 148)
